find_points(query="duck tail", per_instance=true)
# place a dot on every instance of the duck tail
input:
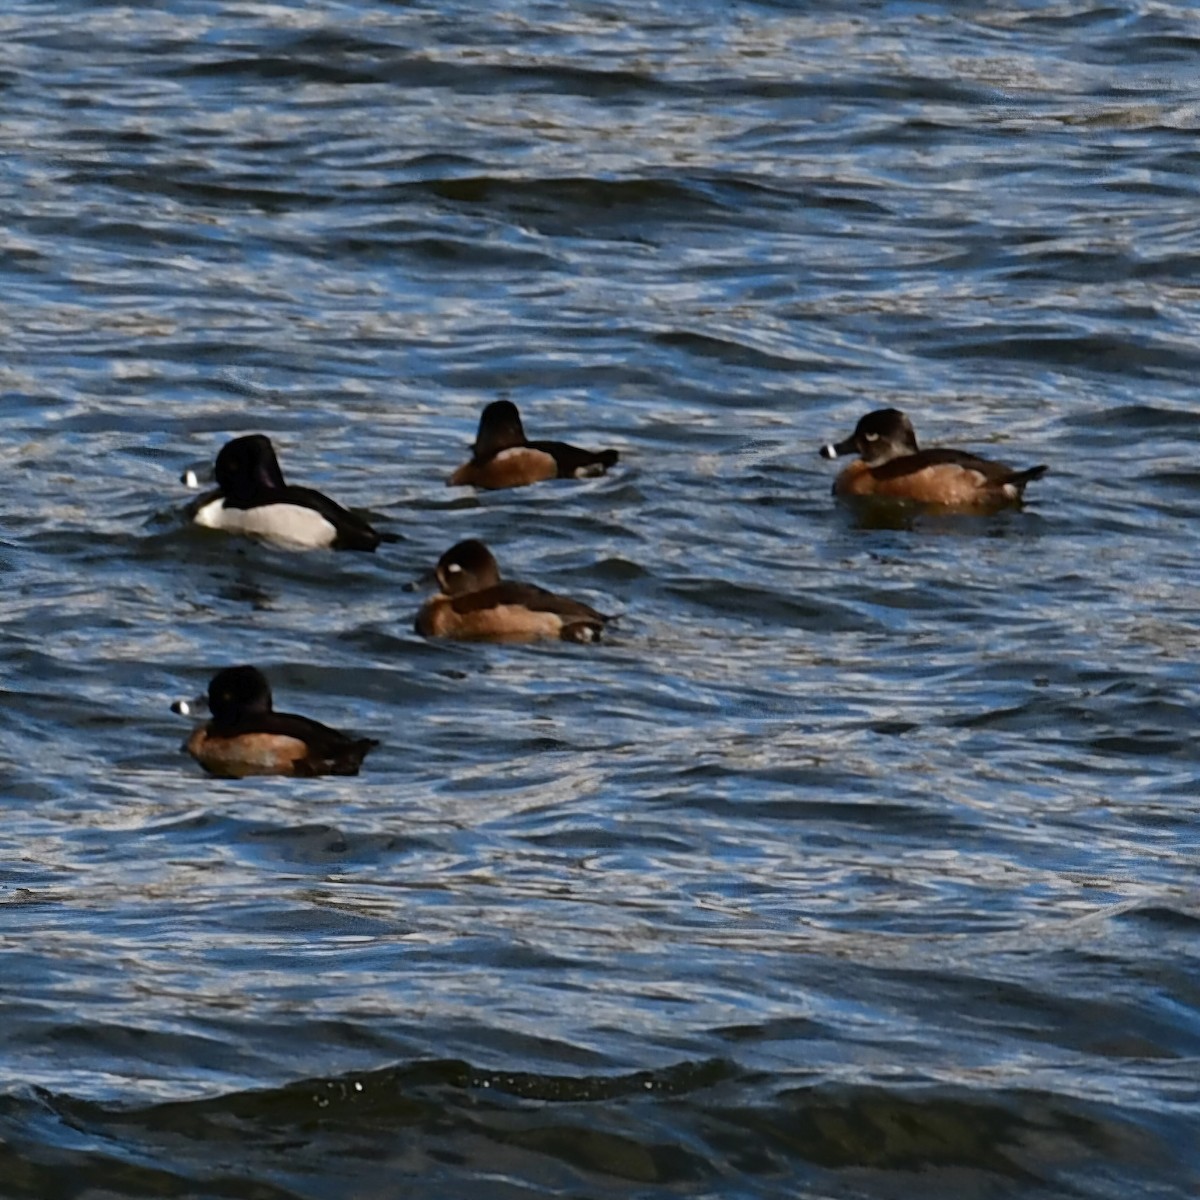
(349, 760)
(1014, 485)
(584, 631)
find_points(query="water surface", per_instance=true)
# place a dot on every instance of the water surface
(861, 861)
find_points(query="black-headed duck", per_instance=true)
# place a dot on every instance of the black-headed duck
(252, 498)
(246, 736)
(503, 457)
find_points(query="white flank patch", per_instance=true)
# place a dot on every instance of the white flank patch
(285, 524)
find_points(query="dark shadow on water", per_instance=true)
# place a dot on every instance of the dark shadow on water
(873, 513)
(668, 1128)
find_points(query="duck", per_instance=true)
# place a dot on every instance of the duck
(503, 457)
(252, 498)
(246, 736)
(892, 465)
(475, 605)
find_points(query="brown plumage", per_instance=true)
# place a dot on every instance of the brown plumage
(476, 605)
(503, 457)
(891, 465)
(247, 737)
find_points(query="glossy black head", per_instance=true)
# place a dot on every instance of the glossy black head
(238, 692)
(500, 428)
(467, 567)
(247, 468)
(879, 437)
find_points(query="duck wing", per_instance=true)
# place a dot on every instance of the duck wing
(910, 464)
(574, 462)
(353, 533)
(527, 595)
(330, 752)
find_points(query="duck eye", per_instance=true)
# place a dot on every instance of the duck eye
(453, 568)
(871, 437)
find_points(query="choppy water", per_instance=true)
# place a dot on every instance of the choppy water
(862, 861)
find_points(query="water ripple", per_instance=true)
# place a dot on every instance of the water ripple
(862, 853)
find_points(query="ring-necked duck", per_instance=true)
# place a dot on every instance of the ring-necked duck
(475, 605)
(251, 497)
(503, 457)
(247, 737)
(890, 464)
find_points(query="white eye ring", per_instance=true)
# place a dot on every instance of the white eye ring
(871, 437)
(453, 569)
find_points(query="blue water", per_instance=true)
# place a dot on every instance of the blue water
(861, 861)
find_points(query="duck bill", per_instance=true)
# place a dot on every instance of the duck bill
(190, 708)
(423, 582)
(838, 449)
(193, 479)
